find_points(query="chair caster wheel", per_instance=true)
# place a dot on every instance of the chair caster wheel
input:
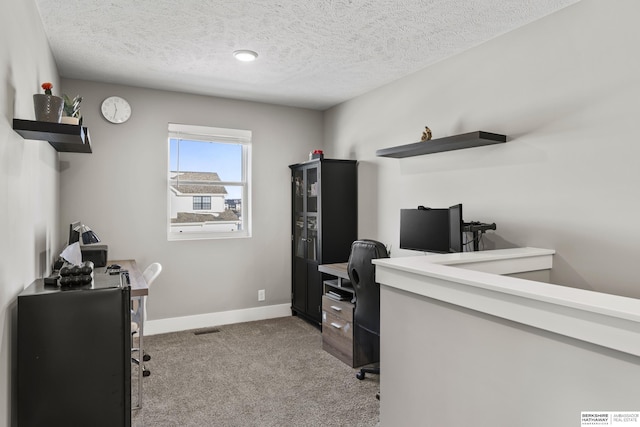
(146, 373)
(146, 357)
(360, 375)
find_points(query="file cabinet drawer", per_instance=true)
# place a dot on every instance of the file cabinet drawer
(340, 309)
(337, 337)
(337, 329)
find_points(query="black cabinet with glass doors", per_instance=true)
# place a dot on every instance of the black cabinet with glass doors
(324, 224)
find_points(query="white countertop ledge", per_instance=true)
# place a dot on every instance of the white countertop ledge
(603, 319)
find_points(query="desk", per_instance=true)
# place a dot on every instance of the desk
(139, 287)
(338, 322)
(339, 270)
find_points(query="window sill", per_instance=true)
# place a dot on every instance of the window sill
(185, 235)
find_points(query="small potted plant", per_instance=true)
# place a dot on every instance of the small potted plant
(71, 110)
(48, 107)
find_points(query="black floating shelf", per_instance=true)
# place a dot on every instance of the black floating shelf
(449, 143)
(63, 137)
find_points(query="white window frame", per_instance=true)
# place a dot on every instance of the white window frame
(216, 135)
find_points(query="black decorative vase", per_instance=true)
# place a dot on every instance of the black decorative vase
(48, 108)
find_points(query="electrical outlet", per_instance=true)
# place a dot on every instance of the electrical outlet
(261, 296)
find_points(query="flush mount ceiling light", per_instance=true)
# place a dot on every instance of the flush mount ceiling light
(245, 55)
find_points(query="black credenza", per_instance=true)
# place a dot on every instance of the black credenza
(74, 355)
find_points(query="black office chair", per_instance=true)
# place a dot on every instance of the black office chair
(367, 313)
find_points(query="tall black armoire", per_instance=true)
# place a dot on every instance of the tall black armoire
(324, 224)
(74, 355)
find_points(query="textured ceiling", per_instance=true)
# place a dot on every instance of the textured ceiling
(312, 53)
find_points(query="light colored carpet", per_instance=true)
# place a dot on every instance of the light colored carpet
(266, 373)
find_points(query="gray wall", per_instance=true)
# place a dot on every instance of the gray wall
(120, 191)
(29, 183)
(566, 91)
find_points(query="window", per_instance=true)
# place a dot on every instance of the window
(202, 203)
(209, 182)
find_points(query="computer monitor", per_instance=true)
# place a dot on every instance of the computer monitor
(456, 227)
(424, 229)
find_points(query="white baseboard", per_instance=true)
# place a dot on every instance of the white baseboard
(175, 324)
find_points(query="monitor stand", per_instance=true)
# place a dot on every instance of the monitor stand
(477, 228)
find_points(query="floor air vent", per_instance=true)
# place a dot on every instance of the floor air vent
(206, 331)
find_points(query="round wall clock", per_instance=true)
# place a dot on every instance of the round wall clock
(116, 109)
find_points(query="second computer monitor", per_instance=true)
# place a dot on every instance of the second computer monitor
(456, 225)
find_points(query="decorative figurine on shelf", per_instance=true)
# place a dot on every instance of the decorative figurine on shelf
(316, 154)
(426, 135)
